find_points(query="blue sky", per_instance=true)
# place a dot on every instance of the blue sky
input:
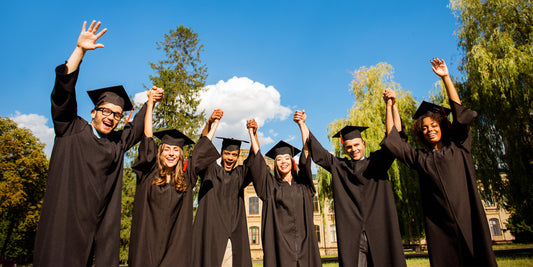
(302, 50)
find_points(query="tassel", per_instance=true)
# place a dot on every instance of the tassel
(185, 165)
(129, 117)
(446, 118)
(342, 140)
(294, 164)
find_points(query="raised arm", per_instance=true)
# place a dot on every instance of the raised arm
(392, 117)
(155, 94)
(299, 117)
(252, 130)
(440, 68)
(86, 41)
(212, 124)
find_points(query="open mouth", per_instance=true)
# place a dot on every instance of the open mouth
(228, 164)
(107, 124)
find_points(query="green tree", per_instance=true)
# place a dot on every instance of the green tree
(182, 76)
(496, 38)
(369, 110)
(23, 172)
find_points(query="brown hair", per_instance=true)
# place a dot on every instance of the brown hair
(444, 128)
(176, 172)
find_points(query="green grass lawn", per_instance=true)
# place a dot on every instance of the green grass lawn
(523, 259)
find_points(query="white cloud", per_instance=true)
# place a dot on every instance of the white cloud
(140, 98)
(241, 99)
(37, 125)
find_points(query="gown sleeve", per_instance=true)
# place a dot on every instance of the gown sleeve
(63, 100)
(134, 130)
(320, 155)
(146, 160)
(247, 177)
(304, 173)
(260, 173)
(460, 129)
(203, 154)
(400, 148)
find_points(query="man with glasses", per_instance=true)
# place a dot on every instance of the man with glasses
(80, 216)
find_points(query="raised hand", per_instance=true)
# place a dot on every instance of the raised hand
(155, 94)
(299, 116)
(439, 67)
(217, 115)
(87, 39)
(252, 124)
(389, 94)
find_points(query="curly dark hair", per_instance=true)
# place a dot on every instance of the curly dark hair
(444, 127)
(176, 173)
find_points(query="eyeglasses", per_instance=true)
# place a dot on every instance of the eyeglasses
(106, 112)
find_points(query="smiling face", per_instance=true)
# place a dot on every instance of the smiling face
(355, 148)
(229, 159)
(170, 155)
(284, 164)
(431, 131)
(105, 124)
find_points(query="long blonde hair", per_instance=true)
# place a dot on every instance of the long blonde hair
(176, 173)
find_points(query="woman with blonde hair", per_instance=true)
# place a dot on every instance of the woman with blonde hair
(161, 232)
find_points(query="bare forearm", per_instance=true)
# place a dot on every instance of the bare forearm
(450, 89)
(389, 120)
(74, 60)
(396, 116)
(148, 130)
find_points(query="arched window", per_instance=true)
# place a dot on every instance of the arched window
(333, 232)
(254, 235)
(317, 231)
(495, 227)
(254, 205)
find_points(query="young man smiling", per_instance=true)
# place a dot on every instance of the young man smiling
(365, 213)
(221, 214)
(80, 216)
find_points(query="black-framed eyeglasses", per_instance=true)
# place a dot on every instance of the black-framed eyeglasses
(106, 112)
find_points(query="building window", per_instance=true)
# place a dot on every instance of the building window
(254, 235)
(317, 231)
(333, 232)
(315, 204)
(495, 227)
(254, 205)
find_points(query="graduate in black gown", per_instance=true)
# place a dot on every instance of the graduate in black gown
(287, 228)
(221, 214)
(80, 216)
(161, 230)
(457, 231)
(368, 233)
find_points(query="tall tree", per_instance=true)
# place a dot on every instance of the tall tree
(23, 172)
(496, 38)
(369, 110)
(182, 76)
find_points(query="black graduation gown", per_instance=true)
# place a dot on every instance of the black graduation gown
(221, 215)
(81, 205)
(363, 202)
(456, 225)
(287, 233)
(161, 228)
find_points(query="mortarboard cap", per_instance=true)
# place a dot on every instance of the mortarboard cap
(350, 132)
(173, 137)
(425, 109)
(231, 144)
(115, 95)
(282, 148)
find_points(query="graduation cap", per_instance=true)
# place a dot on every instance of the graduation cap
(231, 144)
(114, 95)
(282, 148)
(350, 132)
(173, 137)
(426, 109)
